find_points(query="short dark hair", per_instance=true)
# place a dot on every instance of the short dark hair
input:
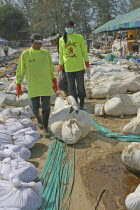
(69, 23)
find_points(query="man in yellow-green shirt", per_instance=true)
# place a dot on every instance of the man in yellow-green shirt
(36, 65)
(73, 55)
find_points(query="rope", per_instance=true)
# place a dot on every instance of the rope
(58, 177)
(107, 133)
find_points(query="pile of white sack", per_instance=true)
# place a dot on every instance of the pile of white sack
(119, 105)
(17, 128)
(67, 122)
(17, 135)
(130, 158)
(103, 85)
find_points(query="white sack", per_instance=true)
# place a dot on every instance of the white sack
(26, 122)
(17, 194)
(70, 131)
(70, 102)
(25, 171)
(57, 119)
(59, 103)
(108, 88)
(29, 110)
(5, 138)
(10, 100)
(132, 201)
(99, 109)
(121, 104)
(23, 100)
(56, 129)
(131, 156)
(26, 137)
(2, 97)
(14, 151)
(13, 125)
(133, 127)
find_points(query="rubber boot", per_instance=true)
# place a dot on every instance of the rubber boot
(45, 120)
(39, 120)
(82, 104)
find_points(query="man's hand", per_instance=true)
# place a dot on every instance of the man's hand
(88, 72)
(18, 90)
(55, 87)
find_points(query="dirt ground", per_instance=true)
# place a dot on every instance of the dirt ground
(99, 171)
(98, 168)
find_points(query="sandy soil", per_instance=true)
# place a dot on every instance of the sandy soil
(98, 168)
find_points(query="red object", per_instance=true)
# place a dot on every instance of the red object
(60, 67)
(87, 63)
(55, 87)
(18, 90)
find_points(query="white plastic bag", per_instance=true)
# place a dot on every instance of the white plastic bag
(131, 156)
(26, 137)
(24, 170)
(14, 151)
(70, 131)
(17, 194)
(132, 201)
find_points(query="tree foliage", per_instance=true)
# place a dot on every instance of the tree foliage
(47, 16)
(12, 20)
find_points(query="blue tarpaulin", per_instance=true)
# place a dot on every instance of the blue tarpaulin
(3, 40)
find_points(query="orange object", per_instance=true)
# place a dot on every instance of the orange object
(55, 86)
(18, 90)
(60, 67)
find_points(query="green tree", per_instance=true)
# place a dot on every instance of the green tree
(12, 20)
(134, 4)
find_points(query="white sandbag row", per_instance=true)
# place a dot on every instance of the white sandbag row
(24, 170)
(19, 129)
(106, 68)
(120, 104)
(133, 127)
(17, 194)
(104, 85)
(18, 112)
(26, 137)
(67, 122)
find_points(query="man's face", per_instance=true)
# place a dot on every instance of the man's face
(36, 46)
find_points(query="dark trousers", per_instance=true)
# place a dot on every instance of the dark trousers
(63, 84)
(76, 84)
(40, 101)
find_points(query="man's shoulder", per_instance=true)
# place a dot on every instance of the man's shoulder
(25, 52)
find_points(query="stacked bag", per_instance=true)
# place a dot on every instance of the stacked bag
(18, 191)
(68, 123)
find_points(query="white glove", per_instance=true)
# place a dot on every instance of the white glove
(88, 72)
(60, 76)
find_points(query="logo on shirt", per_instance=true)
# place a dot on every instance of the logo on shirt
(31, 60)
(70, 47)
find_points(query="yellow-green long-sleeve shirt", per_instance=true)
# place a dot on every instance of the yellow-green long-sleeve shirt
(73, 54)
(37, 67)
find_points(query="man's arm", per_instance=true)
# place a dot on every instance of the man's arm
(20, 73)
